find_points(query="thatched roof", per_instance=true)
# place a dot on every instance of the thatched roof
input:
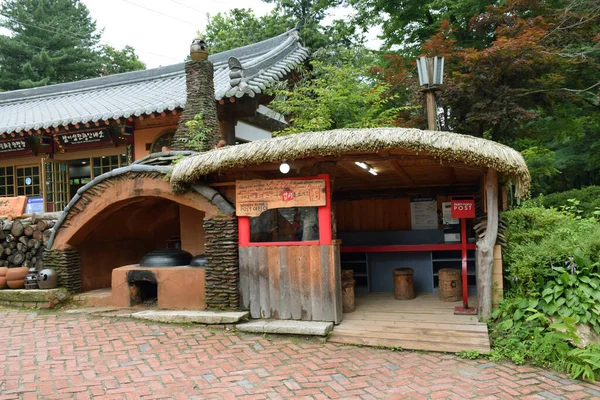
(450, 147)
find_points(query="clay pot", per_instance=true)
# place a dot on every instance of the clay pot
(3, 277)
(15, 277)
(18, 284)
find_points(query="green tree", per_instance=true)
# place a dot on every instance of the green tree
(409, 23)
(240, 27)
(335, 95)
(116, 61)
(529, 76)
(53, 41)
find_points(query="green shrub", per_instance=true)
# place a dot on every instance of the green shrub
(588, 198)
(540, 240)
(520, 333)
(573, 291)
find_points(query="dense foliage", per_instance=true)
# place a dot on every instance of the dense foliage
(54, 41)
(331, 95)
(586, 201)
(552, 273)
(522, 72)
(240, 27)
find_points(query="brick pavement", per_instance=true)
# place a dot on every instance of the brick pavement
(64, 356)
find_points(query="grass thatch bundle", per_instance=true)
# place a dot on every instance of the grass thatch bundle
(451, 147)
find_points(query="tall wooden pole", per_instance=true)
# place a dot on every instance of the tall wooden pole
(431, 125)
(485, 247)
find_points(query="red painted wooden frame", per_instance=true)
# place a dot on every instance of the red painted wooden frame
(324, 217)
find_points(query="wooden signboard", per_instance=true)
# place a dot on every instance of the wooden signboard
(75, 138)
(13, 206)
(252, 197)
(15, 147)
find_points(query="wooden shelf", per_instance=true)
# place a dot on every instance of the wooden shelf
(404, 248)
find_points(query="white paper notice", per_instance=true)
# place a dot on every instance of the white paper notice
(423, 213)
(447, 214)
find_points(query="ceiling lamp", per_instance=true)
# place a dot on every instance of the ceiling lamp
(284, 168)
(366, 167)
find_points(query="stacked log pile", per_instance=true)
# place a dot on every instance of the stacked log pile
(23, 239)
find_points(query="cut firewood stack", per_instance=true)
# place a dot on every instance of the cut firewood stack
(24, 238)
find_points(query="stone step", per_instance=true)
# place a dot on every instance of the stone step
(37, 298)
(91, 310)
(188, 316)
(288, 327)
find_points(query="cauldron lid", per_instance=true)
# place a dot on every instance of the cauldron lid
(166, 258)
(199, 261)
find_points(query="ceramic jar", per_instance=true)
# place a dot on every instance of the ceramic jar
(47, 279)
(31, 280)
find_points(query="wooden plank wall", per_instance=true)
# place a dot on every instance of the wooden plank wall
(291, 282)
(375, 215)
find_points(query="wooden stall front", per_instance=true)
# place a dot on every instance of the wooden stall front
(289, 265)
(386, 208)
(369, 223)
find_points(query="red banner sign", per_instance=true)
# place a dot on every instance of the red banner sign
(463, 209)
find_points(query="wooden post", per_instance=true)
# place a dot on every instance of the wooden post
(431, 117)
(485, 247)
(43, 183)
(227, 129)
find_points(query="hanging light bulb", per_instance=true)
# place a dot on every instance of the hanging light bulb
(284, 168)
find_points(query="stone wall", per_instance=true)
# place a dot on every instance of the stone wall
(67, 264)
(200, 99)
(222, 269)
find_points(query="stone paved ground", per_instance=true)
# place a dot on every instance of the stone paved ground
(59, 356)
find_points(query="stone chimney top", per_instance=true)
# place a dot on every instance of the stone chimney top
(198, 134)
(198, 50)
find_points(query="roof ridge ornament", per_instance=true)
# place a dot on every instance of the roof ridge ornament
(236, 71)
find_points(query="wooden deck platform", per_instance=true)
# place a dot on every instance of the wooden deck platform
(425, 323)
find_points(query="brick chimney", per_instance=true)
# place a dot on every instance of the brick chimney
(200, 100)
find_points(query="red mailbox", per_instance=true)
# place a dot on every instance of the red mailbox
(463, 209)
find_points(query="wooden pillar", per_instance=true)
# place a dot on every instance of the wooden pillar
(497, 277)
(431, 111)
(485, 247)
(227, 129)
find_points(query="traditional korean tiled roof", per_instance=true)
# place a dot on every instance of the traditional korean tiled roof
(245, 71)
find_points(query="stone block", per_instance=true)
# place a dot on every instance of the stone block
(197, 317)
(289, 327)
(33, 297)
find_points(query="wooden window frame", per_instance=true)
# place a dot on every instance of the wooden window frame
(39, 184)
(323, 215)
(6, 185)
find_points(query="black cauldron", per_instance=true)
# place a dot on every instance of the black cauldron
(163, 258)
